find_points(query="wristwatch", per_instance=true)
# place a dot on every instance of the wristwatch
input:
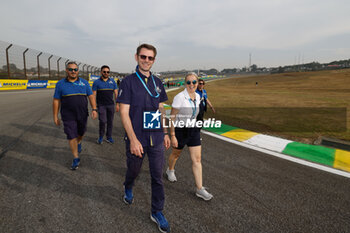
(94, 109)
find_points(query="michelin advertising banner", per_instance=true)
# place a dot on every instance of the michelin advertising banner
(6, 84)
(34, 84)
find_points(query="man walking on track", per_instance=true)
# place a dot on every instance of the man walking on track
(204, 101)
(141, 97)
(103, 89)
(71, 94)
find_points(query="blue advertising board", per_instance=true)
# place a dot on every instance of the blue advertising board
(33, 84)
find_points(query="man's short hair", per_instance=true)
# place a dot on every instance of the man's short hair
(70, 63)
(146, 46)
(201, 80)
(105, 66)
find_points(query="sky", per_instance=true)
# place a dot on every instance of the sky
(188, 34)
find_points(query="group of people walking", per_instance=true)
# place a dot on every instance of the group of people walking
(138, 93)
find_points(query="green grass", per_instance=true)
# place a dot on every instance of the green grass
(296, 106)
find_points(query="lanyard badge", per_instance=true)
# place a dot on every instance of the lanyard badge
(154, 83)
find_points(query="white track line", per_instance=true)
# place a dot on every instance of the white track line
(282, 156)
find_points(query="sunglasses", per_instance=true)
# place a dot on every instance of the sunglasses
(71, 69)
(193, 82)
(144, 57)
(200, 83)
(105, 72)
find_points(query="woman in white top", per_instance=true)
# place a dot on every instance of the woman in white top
(184, 111)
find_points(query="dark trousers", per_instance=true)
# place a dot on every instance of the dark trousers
(106, 115)
(156, 162)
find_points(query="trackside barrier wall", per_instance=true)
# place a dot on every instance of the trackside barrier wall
(15, 84)
(6, 84)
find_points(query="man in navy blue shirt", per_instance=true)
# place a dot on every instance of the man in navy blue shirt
(71, 94)
(204, 101)
(142, 95)
(103, 89)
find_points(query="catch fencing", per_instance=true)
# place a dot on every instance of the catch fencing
(18, 62)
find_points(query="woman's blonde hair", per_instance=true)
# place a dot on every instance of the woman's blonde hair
(191, 74)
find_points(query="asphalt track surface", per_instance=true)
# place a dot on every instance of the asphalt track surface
(253, 191)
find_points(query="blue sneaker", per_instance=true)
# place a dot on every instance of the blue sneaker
(79, 147)
(128, 197)
(110, 140)
(161, 221)
(75, 164)
(100, 140)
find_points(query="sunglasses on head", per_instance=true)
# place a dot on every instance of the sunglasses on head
(105, 72)
(143, 57)
(71, 69)
(193, 82)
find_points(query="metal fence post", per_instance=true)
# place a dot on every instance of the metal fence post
(87, 72)
(58, 68)
(37, 59)
(83, 70)
(78, 64)
(49, 66)
(24, 63)
(8, 61)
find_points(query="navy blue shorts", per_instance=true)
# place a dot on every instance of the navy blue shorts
(73, 129)
(187, 136)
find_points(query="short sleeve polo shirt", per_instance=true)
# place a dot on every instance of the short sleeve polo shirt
(188, 109)
(202, 93)
(104, 91)
(73, 96)
(133, 93)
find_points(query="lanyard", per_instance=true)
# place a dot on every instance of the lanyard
(154, 96)
(194, 109)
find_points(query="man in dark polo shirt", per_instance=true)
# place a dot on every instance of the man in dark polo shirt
(140, 95)
(103, 89)
(204, 101)
(71, 95)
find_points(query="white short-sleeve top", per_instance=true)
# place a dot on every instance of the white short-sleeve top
(188, 109)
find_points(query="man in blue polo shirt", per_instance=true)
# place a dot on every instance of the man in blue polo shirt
(71, 95)
(103, 89)
(204, 101)
(141, 95)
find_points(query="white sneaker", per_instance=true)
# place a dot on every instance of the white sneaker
(202, 193)
(171, 175)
